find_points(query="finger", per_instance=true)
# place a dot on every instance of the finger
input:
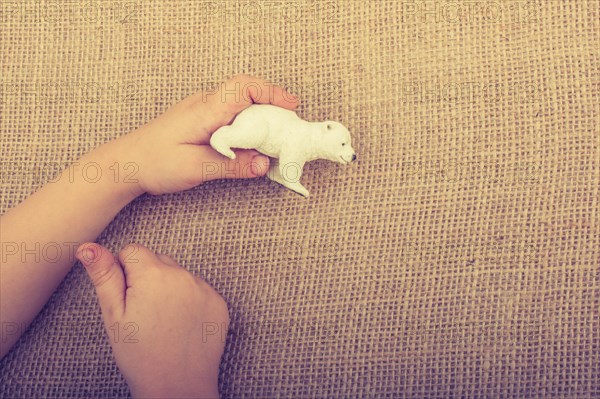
(262, 92)
(106, 274)
(135, 258)
(247, 164)
(241, 91)
(220, 107)
(167, 260)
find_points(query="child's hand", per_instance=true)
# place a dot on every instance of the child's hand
(167, 328)
(173, 152)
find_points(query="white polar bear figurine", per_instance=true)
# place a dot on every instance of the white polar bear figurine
(279, 133)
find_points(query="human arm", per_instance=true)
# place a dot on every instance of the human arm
(171, 153)
(167, 328)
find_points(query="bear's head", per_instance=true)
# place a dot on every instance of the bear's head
(335, 143)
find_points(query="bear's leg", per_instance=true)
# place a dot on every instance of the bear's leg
(288, 174)
(217, 141)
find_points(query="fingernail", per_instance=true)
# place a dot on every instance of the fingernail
(290, 97)
(87, 255)
(259, 165)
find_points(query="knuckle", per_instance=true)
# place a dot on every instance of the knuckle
(102, 275)
(128, 249)
(240, 78)
(170, 260)
(157, 273)
(110, 312)
(221, 306)
(135, 246)
(212, 297)
(167, 259)
(188, 277)
(219, 300)
(131, 253)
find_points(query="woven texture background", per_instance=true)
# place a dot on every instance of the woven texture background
(458, 257)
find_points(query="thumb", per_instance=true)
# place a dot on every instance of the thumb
(248, 164)
(107, 276)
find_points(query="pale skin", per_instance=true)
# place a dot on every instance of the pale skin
(180, 322)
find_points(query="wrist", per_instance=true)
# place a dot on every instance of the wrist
(113, 166)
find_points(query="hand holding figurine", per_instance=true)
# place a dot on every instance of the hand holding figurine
(281, 134)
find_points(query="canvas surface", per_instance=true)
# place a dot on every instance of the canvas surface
(458, 257)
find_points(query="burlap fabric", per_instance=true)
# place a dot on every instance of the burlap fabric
(458, 257)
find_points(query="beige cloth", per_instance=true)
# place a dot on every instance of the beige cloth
(458, 257)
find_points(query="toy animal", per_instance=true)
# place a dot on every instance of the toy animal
(279, 133)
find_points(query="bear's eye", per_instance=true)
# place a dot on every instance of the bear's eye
(343, 143)
(329, 127)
